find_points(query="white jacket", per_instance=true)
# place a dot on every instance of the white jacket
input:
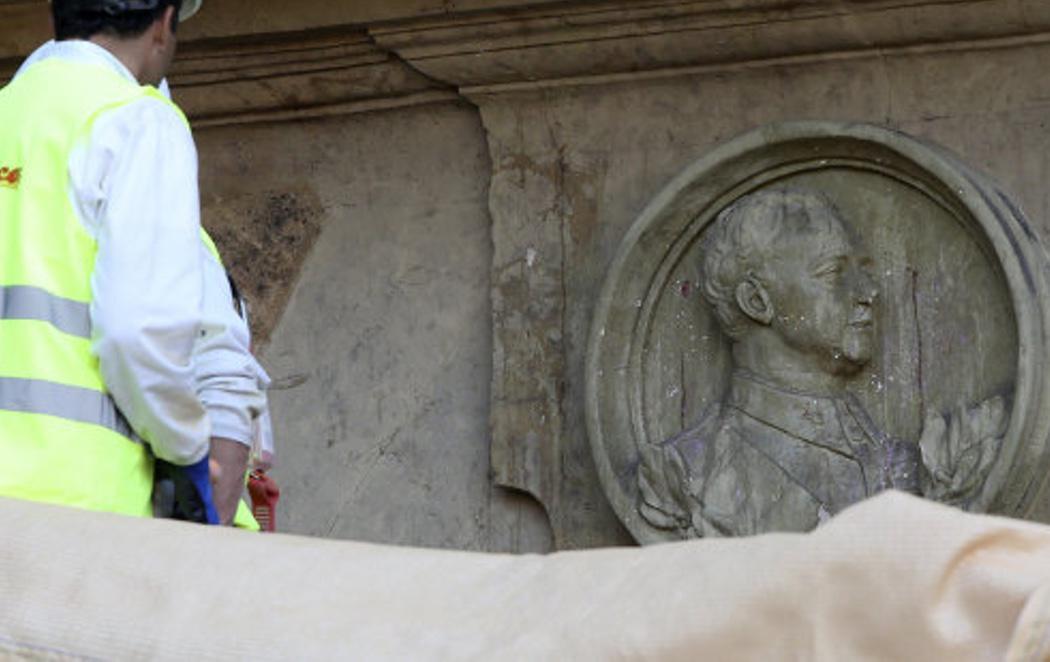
(230, 382)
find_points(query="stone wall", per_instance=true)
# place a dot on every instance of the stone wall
(382, 357)
(454, 179)
(575, 165)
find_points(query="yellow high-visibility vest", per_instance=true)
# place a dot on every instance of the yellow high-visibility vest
(62, 439)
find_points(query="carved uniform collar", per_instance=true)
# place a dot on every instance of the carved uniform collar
(835, 426)
(828, 422)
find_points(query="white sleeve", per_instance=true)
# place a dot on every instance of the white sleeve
(230, 382)
(266, 453)
(135, 184)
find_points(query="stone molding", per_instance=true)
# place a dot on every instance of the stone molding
(290, 76)
(284, 77)
(593, 41)
(389, 64)
(25, 24)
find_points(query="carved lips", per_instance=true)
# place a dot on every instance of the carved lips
(10, 177)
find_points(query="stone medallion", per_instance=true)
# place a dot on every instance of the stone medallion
(813, 313)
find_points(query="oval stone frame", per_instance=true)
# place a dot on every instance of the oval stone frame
(669, 226)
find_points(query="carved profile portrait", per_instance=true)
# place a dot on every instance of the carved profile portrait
(788, 445)
(807, 317)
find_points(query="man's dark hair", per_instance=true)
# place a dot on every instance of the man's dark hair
(83, 19)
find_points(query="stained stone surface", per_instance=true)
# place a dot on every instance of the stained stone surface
(264, 237)
(574, 167)
(381, 358)
(871, 291)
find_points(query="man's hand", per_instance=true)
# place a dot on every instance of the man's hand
(229, 462)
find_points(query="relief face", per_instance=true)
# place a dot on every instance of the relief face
(811, 315)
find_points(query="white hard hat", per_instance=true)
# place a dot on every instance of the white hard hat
(189, 8)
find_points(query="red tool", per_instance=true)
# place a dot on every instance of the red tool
(264, 493)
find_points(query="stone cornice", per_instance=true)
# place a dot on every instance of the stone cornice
(500, 50)
(229, 18)
(301, 74)
(290, 76)
(280, 77)
(25, 24)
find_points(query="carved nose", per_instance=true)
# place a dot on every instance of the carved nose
(866, 289)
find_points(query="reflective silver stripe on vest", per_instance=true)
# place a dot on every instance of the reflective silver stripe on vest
(33, 396)
(21, 302)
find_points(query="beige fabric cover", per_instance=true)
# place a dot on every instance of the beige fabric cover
(895, 578)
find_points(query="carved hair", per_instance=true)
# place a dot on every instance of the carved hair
(741, 240)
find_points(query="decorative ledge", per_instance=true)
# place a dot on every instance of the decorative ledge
(289, 76)
(548, 45)
(295, 76)
(435, 59)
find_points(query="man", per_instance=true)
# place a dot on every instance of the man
(789, 446)
(100, 272)
(230, 384)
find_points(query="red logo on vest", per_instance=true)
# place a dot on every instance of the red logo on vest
(10, 177)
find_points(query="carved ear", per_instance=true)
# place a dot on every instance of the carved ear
(753, 299)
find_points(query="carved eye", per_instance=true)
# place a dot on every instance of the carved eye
(830, 270)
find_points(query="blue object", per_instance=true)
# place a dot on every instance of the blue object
(184, 493)
(200, 477)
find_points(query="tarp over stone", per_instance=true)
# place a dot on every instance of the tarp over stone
(894, 578)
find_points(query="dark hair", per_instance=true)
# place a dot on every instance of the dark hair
(83, 19)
